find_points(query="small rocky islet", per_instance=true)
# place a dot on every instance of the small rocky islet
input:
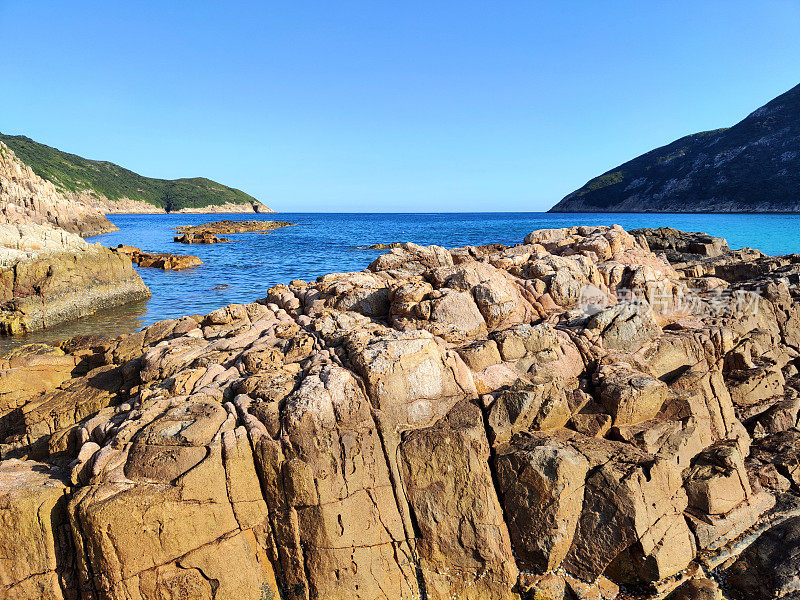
(453, 423)
(209, 233)
(158, 260)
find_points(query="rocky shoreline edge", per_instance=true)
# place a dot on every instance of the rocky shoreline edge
(49, 276)
(591, 414)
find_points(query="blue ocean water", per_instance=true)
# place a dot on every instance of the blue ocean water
(243, 271)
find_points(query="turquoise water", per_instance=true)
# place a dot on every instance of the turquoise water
(244, 270)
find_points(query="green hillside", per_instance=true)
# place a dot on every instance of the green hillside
(753, 166)
(73, 173)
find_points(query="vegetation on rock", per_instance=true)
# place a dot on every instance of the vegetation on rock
(753, 166)
(106, 180)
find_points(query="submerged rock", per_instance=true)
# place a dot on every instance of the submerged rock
(446, 424)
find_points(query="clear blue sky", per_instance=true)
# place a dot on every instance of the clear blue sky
(387, 106)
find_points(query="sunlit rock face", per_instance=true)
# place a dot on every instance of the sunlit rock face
(551, 420)
(48, 276)
(27, 198)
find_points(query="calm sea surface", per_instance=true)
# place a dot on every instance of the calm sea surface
(244, 270)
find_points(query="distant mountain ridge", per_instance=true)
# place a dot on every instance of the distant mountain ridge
(116, 189)
(753, 166)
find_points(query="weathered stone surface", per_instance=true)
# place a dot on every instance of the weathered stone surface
(26, 198)
(630, 397)
(36, 556)
(678, 243)
(717, 481)
(446, 424)
(48, 276)
(166, 262)
(770, 568)
(199, 238)
(697, 589)
(411, 379)
(227, 226)
(625, 327)
(464, 547)
(540, 405)
(713, 532)
(631, 503)
(541, 481)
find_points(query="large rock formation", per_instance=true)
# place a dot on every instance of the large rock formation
(753, 166)
(48, 276)
(27, 198)
(559, 419)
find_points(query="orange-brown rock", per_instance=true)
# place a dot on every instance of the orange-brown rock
(159, 260)
(208, 233)
(48, 276)
(550, 420)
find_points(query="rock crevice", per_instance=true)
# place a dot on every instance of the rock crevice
(484, 422)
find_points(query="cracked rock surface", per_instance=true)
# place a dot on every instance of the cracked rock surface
(571, 417)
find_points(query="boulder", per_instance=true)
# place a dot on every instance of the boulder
(536, 406)
(629, 396)
(164, 261)
(409, 378)
(464, 547)
(625, 327)
(631, 516)
(35, 545)
(717, 482)
(49, 276)
(541, 480)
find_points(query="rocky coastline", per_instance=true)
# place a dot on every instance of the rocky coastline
(27, 198)
(128, 206)
(572, 417)
(48, 273)
(108, 188)
(48, 276)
